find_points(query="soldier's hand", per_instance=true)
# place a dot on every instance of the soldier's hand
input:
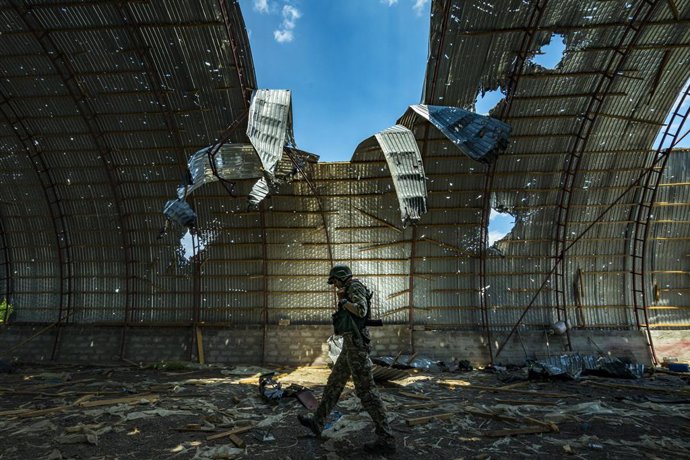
(341, 294)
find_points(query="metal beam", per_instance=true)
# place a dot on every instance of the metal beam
(69, 77)
(640, 19)
(54, 204)
(8, 267)
(535, 14)
(643, 215)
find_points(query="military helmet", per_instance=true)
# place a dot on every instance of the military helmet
(340, 272)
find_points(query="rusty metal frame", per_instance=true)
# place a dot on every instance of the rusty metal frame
(7, 262)
(429, 99)
(572, 243)
(568, 176)
(53, 199)
(163, 100)
(573, 159)
(535, 16)
(69, 77)
(246, 77)
(643, 214)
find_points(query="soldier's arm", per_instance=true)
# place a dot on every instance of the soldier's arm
(357, 300)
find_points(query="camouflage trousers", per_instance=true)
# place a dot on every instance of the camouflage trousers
(354, 362)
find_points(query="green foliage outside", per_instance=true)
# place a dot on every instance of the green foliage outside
(5, 310)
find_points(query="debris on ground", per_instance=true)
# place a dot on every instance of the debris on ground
(574, 365)
(214, 411)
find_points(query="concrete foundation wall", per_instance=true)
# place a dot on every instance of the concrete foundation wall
(672, 344)
(306, 344)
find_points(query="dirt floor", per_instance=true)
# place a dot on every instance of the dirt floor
(169, 411)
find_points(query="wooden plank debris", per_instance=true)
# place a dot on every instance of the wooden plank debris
(200, 345)
(619, 386)
(428, 405)
(517, 431)
(414, 395)
(126, 400)
(39, 412)
(236, 440)
(507, 418)
(451, 383)
(525, 402)
(235, 431)
(195, 427)
(429, 418)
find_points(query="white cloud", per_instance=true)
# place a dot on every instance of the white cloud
(285, 33)
(261, 6)
(389, 2)
(419, 6)
(283, 36)
(290, 15)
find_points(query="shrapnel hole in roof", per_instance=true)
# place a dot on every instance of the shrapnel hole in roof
(487, 101)
(684, 136)
(501, 223)
(186, 249)
(551, 54)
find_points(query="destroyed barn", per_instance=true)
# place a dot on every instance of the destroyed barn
(126, 122)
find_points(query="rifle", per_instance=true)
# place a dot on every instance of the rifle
(374, 323)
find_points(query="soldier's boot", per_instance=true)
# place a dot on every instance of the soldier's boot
(311, 423)
(382, 445)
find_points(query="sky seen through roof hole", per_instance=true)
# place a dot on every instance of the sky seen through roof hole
(353, 66)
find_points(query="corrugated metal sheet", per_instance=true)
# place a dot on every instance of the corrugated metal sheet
(479, 137)
(158, 81)
(404, 161)
(270, 125)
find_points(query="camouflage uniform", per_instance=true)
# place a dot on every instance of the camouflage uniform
(354, 362)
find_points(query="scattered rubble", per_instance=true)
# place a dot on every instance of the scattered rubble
(213, 411)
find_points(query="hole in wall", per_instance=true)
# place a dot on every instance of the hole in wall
(487, 100)
(550, 55)
(501, 223)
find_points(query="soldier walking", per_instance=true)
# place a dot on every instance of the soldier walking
(353, 361)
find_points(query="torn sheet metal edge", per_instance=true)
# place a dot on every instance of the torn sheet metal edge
(232, 162)
(237, 162)
(258, 192)
(268, 126)
(180, 212)
(405, 164)
(574, 365)
(479, 137)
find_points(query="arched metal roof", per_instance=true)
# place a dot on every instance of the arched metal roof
(103, 102)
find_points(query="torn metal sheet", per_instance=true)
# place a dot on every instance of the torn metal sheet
(236, 162)
(270, 158)
(610, 366)
(404, 161)
(269, 127)
(231, 161)
(569, 366)
(572, 366)
(269, 388)
(382, 373)
(259, 191)
(180, 212)
(408, 362)
(479, 137)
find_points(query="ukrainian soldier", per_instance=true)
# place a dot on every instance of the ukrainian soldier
(353, 361)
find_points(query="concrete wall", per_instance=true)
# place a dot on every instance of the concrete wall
(672, 344)
(306, 344)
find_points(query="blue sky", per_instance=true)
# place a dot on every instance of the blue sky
(353, 66)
